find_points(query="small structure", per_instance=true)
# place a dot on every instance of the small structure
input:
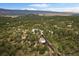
(23, 37)
(34, 31)
(41, 32)
(69, 26)
(42, 40)
(55, 26)
(51, 32)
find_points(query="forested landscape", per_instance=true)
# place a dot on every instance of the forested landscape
(17, 37)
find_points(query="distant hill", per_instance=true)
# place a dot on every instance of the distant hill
(25, 12)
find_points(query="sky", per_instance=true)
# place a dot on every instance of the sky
(60, 7)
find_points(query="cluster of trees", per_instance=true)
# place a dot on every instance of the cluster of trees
(61, 31)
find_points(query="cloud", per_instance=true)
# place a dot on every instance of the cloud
(60, 9)
(49, 7)
(28, 9)
(63, 9)
(39, 5)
